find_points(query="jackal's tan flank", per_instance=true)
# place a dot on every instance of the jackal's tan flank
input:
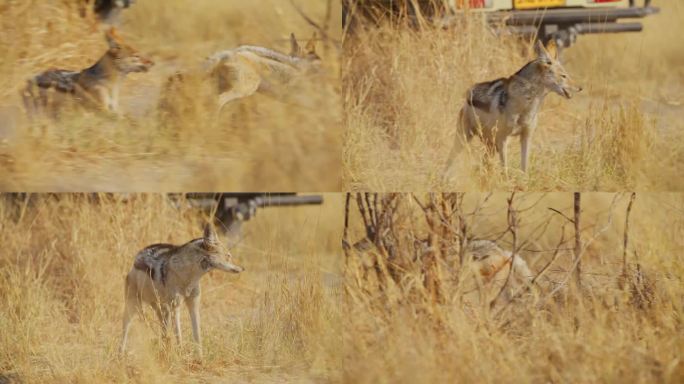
(165, 275)
(96, 86)
(240, 72)
(248, 69)
(490, 266)
(505, 107)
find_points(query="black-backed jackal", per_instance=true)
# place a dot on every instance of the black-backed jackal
(496, 110)
(240, 72)
(95, 87)
(165, 275)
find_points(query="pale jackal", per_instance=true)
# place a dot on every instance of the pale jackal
(491, 262)
(488, 265)
(164, 275)
(247, 69)
(96, 86)
(505, 107)
(492, 265)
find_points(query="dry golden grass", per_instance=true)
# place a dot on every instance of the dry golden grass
(397, 332)
(62, 272)
(260, 143)
(403, 90)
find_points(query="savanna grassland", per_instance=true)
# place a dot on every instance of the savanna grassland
(417, 314)
(404, 87)
(258, 143)
(62, 270)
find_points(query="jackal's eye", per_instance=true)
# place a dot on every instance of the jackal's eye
(564, 76)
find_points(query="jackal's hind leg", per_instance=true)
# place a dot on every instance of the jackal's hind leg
(237, 93)
(244, 81)
(464, 135)
(29, 99)
(129, 313)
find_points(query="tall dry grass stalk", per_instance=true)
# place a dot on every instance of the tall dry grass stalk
(403, 89)
(417, 313)
(260, 143)
(62, 270)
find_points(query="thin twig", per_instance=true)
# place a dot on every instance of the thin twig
(577, 196)
(345, 235)
(626, 236)
(562, 214)
(538, 275)
(596, 235)
(314, 24)
(513, 228)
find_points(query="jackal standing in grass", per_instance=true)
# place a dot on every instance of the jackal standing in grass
(496, 110)
(96, 86)
(164, 275)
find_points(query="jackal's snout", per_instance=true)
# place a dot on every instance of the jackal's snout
(146, 64)
(227, 266)
(570, 89)
(136, 63)
(216, 256)
(567, 89)
(567, 86)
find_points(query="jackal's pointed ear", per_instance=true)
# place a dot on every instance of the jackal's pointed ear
(209, 234)
(112, 38)
(552, 49)
(295, 49)
(311, 45)
(540, 50)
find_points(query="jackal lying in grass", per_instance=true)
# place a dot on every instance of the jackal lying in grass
(96, 86)
(505, 107)
(493, 263)
(163, 275)
(486, 262)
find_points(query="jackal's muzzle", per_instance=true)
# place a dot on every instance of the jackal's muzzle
(227, 266)
(569, 90)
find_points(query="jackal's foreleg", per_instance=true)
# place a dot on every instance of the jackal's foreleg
(524, 149)
(193, 303)
(501, 147)
(164, 315)
(177, 325)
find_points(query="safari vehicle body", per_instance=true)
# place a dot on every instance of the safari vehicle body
(560, 20)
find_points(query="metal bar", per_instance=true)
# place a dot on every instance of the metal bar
(584, 28)
(568, 16)
(277, 200)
